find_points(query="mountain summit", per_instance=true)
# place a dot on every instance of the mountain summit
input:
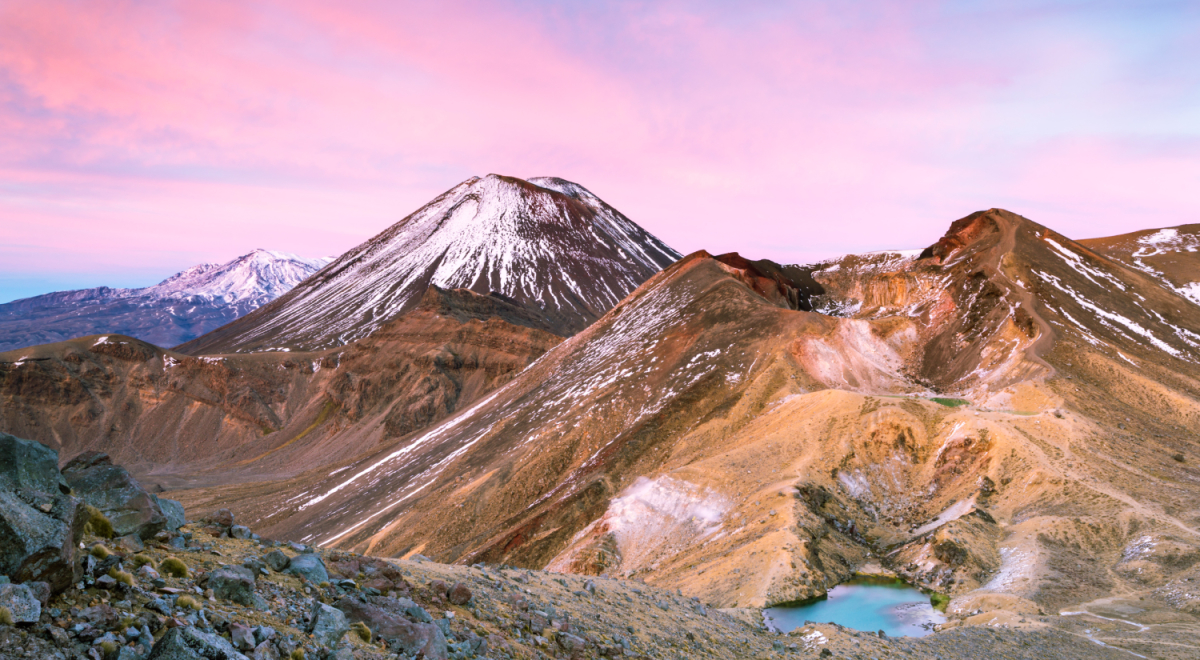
(181, 307)
(546, 243)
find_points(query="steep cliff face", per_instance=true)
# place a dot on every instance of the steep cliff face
(546, 244)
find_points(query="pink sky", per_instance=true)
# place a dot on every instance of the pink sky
(140, 138)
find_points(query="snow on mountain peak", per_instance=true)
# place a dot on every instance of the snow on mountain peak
(546, 242)
(255, 278)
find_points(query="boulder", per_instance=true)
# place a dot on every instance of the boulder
(570, 643)
(222, 517)
(190, 643)
(265, 651)
(460, 594)
(233, 583)
(327, 624)
(87, 459)
(28, 465)
(39, 544)
(21, 602)
(111, 489)
(240, 532)
(173, 511)
(241, 636)
(402, 636)
(130, 542)
(277, 560)
(310, 567)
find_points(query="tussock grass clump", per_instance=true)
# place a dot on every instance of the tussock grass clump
(121, 576)
(297, 654)
(100, 552)
(188, 601)
(1179, 458)
(173, 567)
(5, 616)
(140, 560)
(97, 523)
(359, 628)
(109, 648)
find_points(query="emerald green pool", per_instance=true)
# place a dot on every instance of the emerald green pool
(866, 604)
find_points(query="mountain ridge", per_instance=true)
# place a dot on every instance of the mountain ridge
(187, 304)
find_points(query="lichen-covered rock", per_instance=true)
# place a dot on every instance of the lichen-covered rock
(310, 567)
(277, 560)
(189, 643)
(174, 512)
(110, 488)
(241, 636)
(28, 465)
(234, 583)
(327, 624)
(400, 634)
(21, 602)
(240, 532)
(38, 543)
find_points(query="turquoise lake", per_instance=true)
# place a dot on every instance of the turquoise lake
(868, 605)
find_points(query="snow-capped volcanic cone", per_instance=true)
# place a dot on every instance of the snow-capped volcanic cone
(546, 243)
(180, 308)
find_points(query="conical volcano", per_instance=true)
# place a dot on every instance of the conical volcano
(546, 243)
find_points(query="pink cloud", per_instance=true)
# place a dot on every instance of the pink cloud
(777, 130)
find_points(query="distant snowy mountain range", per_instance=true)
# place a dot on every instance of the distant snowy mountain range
(178, 309)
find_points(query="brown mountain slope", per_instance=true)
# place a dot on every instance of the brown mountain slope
(704, 435)
(1171, 255)
(179, 419)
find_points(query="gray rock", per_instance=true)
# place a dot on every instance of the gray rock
(239, 532)
(310, 567)
(147, 573)
(130, 542)
(328, 624)
(406, 606)
(265, 651)
(233, 583)
(189, 643)
(241, 636)
(276, 560)
(159, 605)
(28, 465)
(173, 511)
(40, 591)
(263, 633)
(21, 602)
(401, 635)
(39, 545)
(117, 494)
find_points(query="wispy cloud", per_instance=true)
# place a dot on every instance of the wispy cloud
(171, 132)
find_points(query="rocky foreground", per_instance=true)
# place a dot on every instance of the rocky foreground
(96, 567)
